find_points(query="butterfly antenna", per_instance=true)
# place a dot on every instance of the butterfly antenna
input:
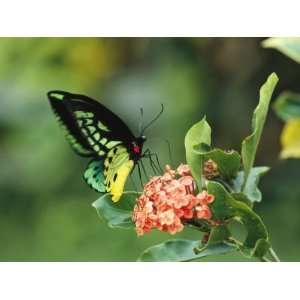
(141, 121)
(152, 121)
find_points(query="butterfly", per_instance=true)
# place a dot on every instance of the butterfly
(94, 131)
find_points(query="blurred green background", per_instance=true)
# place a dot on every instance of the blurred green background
(45, 206)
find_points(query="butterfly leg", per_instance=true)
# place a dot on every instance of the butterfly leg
(157, 160)
(153, 166)
(150, 154)
(144, 170)
(132, 181)
(155, 169)
(140, 175)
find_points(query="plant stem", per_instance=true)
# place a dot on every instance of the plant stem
(263, 259)
(226, 185)
(274, 255)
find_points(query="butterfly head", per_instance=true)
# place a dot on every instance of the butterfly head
(137, 146)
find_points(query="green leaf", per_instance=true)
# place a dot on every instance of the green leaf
(183, 250)
(119, 214)
(243, 198)
(250, 143)
(290, 46)
(287, 106)
(218, 234)
(197, 136)
(225, 207)
(251, 190)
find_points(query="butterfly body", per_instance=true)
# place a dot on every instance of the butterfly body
(94, 131)
(136, 148)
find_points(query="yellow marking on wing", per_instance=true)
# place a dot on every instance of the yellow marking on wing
(117, 186)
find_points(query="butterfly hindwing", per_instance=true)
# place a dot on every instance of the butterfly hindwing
(117, 167)
(94, 175)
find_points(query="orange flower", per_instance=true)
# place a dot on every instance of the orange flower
(169, 200)
(183, 170)
(167, 217)
(203, 212)
(204, 198)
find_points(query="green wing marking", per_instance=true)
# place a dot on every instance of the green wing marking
(87, 135)
(95, 132)
(94, 175)
(73, 135)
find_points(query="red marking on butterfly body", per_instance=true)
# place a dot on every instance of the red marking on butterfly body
(136, 149)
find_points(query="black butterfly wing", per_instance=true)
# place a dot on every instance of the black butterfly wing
(92, 129)
(69, 125)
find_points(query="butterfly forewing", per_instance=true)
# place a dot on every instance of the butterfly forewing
(96, 133)
(90, 123)
(73, 134)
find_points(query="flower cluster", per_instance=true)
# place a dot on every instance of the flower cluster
(169, 200)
